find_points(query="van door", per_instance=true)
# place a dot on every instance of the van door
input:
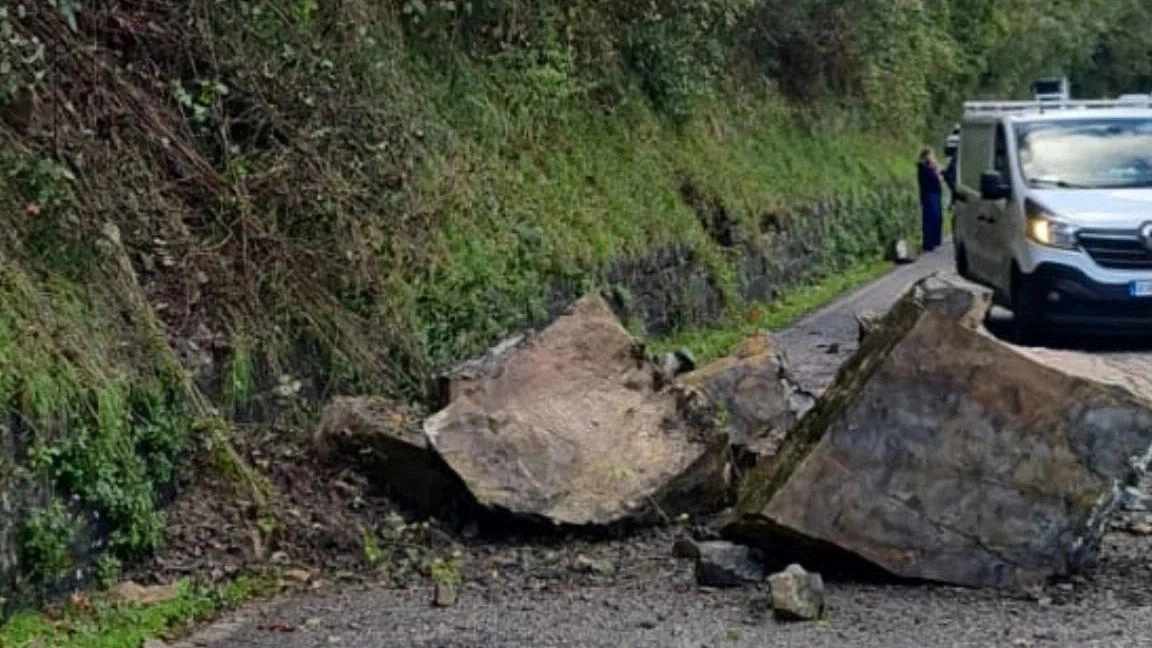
(976, 141)
(999, 225)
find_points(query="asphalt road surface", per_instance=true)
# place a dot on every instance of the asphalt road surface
(818, 344)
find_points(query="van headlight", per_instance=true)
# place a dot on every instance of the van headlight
(1046, 229)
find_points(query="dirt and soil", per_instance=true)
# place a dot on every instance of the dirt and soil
(631, 591)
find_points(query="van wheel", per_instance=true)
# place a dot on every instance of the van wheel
(1027, 311)
(961, 260)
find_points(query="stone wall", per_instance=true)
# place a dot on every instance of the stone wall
(675, 288)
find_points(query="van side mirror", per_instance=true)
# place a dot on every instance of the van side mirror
(993, 186)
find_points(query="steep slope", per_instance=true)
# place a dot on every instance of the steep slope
(221, 212)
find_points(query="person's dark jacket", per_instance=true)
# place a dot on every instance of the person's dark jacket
(950, 178)
(929, 177)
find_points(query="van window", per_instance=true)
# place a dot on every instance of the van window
(1091, 153)
(975, 153)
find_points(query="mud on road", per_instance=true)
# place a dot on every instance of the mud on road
(637, 594)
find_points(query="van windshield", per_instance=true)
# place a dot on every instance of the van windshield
(1086, 154)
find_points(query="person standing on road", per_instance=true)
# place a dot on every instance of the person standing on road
(949, 175)
(931, 199)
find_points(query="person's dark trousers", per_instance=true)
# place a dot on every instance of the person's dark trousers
(931, 220)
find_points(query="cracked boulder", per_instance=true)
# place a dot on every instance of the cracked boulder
(941, 453)
(752, 395)
(567, 426)
(384, 439)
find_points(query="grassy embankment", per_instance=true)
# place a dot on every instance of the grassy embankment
(362, 225)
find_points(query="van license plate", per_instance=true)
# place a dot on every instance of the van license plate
(1140, 288)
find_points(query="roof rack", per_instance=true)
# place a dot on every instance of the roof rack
(989, 108)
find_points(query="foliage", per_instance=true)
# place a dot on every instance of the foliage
(107, 440)
(97, 428)
(374, 556)
(444, 571)
(45, 192)
(45, 543)
(99, 623)
(1122, 59)
(68, 9)
(238, 387)
(403, 550)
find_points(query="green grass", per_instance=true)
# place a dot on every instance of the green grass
(597, 190)
(717, 341)
(105, 625)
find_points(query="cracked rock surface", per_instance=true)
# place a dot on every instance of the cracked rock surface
(756, 393)
(561, 427)
(944, 454)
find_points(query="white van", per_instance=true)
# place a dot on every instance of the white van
(1054, 211)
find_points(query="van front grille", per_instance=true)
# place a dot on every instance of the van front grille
(1119, 250)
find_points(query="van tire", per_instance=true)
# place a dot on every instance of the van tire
(1027, 311)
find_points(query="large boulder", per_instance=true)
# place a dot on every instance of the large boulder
(942, 453)
(752, 395)
(566, 426)
(384, 438)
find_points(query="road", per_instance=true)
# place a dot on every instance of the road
(529, 595)
(818, 344)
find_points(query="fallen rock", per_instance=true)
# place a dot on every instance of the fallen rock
(547, 429)
(796, 594)
(385, 439)
(942, 453)
(586, 565)
(723, 564)
(752, 395)
(298, 575)
(444, 595)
